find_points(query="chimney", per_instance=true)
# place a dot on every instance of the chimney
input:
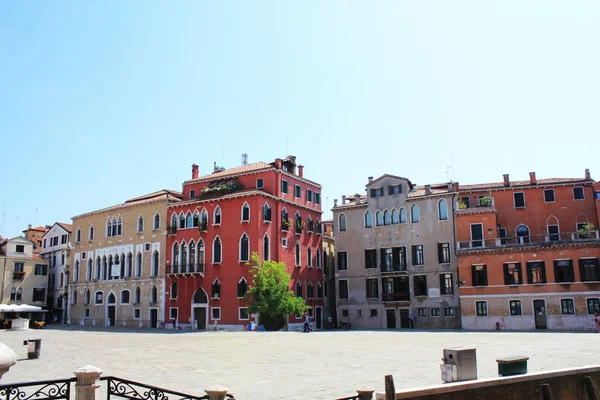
(587, 174)
(506, 180)
(335, 202)
(194, 171)
(450, 186)
(532, 179)
(301, 171)
(357, 198)
(29, 226)
(214, 167)
(370, 179)
(278, 163)
(455, 186)
(343, 199)
(427, 190)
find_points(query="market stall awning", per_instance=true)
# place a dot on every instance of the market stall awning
(20, 308)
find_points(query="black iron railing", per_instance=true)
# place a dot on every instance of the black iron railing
(41, 390)
(186, 268)
(395, 297)
(126, 389)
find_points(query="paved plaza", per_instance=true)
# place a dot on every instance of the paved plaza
(286, 365)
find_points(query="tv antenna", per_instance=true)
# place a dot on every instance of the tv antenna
(244, 159)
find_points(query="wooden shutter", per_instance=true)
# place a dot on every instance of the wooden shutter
(382, 260)
(506, 275)
(414, 255)
(390, 190)
(373, 193)
(441, 253)
(581, 270)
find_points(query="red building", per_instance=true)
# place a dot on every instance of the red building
(528, 254)
(226, 216)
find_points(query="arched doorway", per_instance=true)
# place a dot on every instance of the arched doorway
(200, 310)
(111, 310)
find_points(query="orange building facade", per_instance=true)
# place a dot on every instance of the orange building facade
(528, 254)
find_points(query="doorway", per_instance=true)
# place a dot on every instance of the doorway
(200, 309)
(153, 318)
(391, 319)
(111, 310)
(476, 235)
(200, 318)
(319, 317)
(539, 312)
(404, 320)
(111, 315)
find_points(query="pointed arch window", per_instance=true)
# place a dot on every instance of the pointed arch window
(175, 256)
(217, 216)
(74, 297)
(298, 289)
(298, 254)
(245, 213)
(216, 289)
(266, 213)
(108, 227)
(91, 232)
(196, 219)
(122, 266)
(137, 295)
(318, 258)
(310, 226)
(310, 290)
(193, 260)
(138, 265)
(88, 271)
(119, 226)
(395, 216)
(387, 219)
(553, 228)
(242, 288)
(155, 261)
(201, 261)
(13, 294)
(443, 210)
(156, 221)
(114, 227)
(318, 227)
(19, 294)
(244, 248)
(181, 221)
(216, 259)
(266, 248)
(298, 223)
(87, 297)
(76, 271)
(183, 257)
(309, 261)
(414, 214)
(189, 221)
(319, 290)
(342, 222)
(379, 218)
(129, 265)
(108, 270)
(173, 293)
(140, 224)
(98, 268)
(204, 218)
(285, 220)
(78, 235)
(403, 215)
(522, 234)
(174, 221)
(368, 219)
(154, 295)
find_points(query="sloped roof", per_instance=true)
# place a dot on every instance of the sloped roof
(161, 194)
(66, 227)
(437, 188)
(513, 184)
(257, 166)
(389, 176)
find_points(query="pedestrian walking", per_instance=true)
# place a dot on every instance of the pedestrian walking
(411, 321)
(307, 328)
(597, 322)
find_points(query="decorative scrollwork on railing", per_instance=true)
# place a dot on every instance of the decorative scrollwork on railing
(127, 389)
(45, 390)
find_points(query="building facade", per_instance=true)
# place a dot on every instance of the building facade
(395, 256)
(24, 274)
(528, 254)
(55, 246)
(329, 274)
(226, 216)
(35, 235)
(117, 263)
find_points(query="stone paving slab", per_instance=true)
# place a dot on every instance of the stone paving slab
(286, 365)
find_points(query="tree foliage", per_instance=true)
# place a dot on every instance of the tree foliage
(270, 294)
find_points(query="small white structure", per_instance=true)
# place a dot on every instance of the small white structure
(8, 358)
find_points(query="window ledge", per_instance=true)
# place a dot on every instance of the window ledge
(216, 225)
(266, 221)
(216, 263)
(243, 261)
(244, 221)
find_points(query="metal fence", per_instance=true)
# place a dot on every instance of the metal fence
(41, 390)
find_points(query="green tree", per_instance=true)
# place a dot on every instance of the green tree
(270, 294)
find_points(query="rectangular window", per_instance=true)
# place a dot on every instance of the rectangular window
(44, 243)
(297, 191)
(373, 312)
(515, 307)
(345, 313)
(444, 253)
(39, 294)
(589, 269)
(479, 275)
(578, 193)
(418, 257)
(41, 269)
(481, 308)
(536, 272)
(343, 284)
(192, 194)
(372, 288)
(284, 243)
(567, 307)
(317, 198)
(215, 313)
(435, 312)
(284, 186)
(244, 313)
(370, 258)
(18, 267)
(259, 185)
(137, 313)
(420, 285)
(563, 271)
(395, 189)
(446, 284)
(342, 259)
(63, 239)
(519, 198)
(86, 313)
(512, 274)
(377, 192)
(593, 305)
(449, 312)
(99, 297)
(309, 195)
(19, 248)
(422, 312)
(549, 195)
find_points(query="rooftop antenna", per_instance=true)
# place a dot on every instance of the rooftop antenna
(18, 223)
(244, 159)
(448, 168)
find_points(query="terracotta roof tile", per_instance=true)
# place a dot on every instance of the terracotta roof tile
(234, 171)
(66, 227)
(437, 188)
(513, 184)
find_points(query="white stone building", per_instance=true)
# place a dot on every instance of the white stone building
(55, 248)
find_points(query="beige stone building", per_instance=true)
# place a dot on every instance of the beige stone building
(395, 256)
(117, 265)
(24, 274)
(329, 273)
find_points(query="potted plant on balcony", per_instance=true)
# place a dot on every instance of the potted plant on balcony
(299, 227)
(462, 205)
(584, 231)
(172, 229)
(485, 201)
(203, 227)
(285, 224)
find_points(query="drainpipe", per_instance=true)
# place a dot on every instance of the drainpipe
(3, 277)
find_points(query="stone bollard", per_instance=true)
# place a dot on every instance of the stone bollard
(88, 381)
(217, 392)
(8, 358)
(365, 394)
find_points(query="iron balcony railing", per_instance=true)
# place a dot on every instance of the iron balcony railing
(18, 275)
(40, 390)
(194, 268)
(533, 240)
(469, 203)
(393, 268)
(395, 297)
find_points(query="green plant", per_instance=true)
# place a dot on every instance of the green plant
(485, 201)
(172, 229)
(585, 230)
(462, 204)
(270, 294)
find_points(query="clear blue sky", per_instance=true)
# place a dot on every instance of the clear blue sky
(101, 101)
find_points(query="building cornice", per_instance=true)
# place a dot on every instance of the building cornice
(531, 248)
(119, 207)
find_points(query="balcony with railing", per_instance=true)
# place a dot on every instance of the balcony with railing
(393, 268)
(475, 204)
(18, 275)
(533, 240)
(395, 297)
(195, 268)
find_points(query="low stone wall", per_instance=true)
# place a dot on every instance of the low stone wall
(567, 384)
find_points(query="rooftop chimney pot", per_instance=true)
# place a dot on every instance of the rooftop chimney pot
(335, 202)
(427, 189)
(301, 171)
(587, 174)
(343, 200)
(506, 180)
(450, 186)
(370, 179)
(532, 178)
(194, 171)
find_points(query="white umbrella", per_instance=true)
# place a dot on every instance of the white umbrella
(6, 307)
(27, 308)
